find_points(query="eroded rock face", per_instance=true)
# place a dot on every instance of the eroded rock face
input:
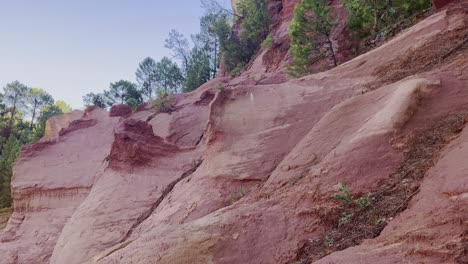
(248, 173)
(438, 4)
(120, 110)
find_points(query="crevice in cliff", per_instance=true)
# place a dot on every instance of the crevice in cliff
(354, 223)
(161, 198)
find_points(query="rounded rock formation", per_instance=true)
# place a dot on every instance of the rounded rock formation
(120, 110)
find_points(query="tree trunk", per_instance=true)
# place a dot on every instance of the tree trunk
(215, 64)
(13, 112)
(33, 116)
(375, 28)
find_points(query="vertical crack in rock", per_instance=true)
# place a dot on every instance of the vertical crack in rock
(164, 193)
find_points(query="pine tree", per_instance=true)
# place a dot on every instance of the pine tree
(14, 97)
(146, 77)
(119, 92)
(310, 33)
(37, 99)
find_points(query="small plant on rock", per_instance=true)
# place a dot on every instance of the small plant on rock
(238, 195)
(164, 103)
(364, 201)
(344, 194)
(346, 197)
(268, 42)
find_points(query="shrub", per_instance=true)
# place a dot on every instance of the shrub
(236, 70)
(344, 194)
(219, 86)
(268, 42)
(368, 17)
(164, 103)
(238, 195)
(132, 102)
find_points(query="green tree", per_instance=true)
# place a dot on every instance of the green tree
(310, 33)
(119, 92)
(14, 97)
(132, 102)
(63, 106)
(10, 152)
(368, 17)
(215, 31)
(255, 23)
(179, 46)
(46, 113)
(37, 99)
(146, 77)
(199, 70)
(95, 99)
(169, 77)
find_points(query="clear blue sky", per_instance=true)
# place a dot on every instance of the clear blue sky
(72, 47)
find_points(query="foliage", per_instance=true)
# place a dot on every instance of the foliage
(146, 77)
(168, 76)
(236, 70)
(16, 130)
(38, 98)
(179, 46)
(132, 102)
(220, 86)
(10, 152)
(255, 22)
(164, 103)
(369, 17)
(344, 194)
(64, 107)
(46, 113)
(14, 98)
(238, 195)
(268, 42)
(119, 92)
(310, 32)
(95, 99)
(363, 201)
(346, 197)
(198, 71)
(201, 62)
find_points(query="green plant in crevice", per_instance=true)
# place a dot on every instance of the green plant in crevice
(346, 197)
(238, 194)
(343, 194)
(368, 17)
(267, 42)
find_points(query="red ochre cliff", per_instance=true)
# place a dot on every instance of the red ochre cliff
(248, 173)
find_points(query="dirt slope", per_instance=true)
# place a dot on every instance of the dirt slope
(248, 173)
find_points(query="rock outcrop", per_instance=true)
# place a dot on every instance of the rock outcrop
(248, 173)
